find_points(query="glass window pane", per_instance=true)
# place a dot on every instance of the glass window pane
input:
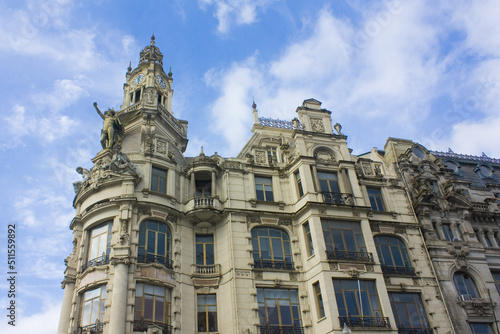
(148, 307)
(159, 309)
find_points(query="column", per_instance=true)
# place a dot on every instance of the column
(118, 314)
(193, 185)
(492, 239)
(481, 238)
(456, 231)
(439, 230)
(213, 184)
(68, 284)
(315, 178)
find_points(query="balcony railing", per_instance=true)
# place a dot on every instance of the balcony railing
(337, 198)
(203, 202)
(277, 329)
(142, 326)
(153, 258)
(420, 330)
(273, 264)
(208, 270)
(348, 255)
(95, 328)
(358, 321)
(393, 270)
(98, 261)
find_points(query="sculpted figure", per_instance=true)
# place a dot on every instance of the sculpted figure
(112, 130)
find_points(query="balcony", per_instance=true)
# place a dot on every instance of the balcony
(277, 329)
(95, 328)
(153, 258)
(420, 330)
(338, 198)
(204, 208)
(397, 271)
(341, 255)
(98, 261)
(359, 321)
(212, 270)
(273, 264)
(143, 325)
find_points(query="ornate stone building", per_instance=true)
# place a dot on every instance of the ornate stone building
(294, 235)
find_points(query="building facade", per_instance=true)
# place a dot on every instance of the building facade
(294, 235)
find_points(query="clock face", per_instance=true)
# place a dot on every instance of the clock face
(161, 82)
(138, 79)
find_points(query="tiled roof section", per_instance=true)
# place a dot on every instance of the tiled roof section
(453, 155)
(277, 123)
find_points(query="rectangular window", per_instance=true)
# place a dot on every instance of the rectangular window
(448, 234)
(496, 277)
(319, 300)
(99, 244)
(328, 182)
(203, 188)
(152, 306)
(264, 188)
(204, 250)
(159, 180)
(299, 183)
(344, 241)
(278, 311)
(92, 307)
(272, 154)
(409, 312)
(309, 242)
(375, 199)
(207, 313)
(358, 303)
(480, 328)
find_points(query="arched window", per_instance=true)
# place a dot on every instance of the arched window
(155, 243)
(465, 286)
(393, 256)
(271, 248)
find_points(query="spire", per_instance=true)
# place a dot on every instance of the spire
(129, 69)
(255, 113)
(151, 53)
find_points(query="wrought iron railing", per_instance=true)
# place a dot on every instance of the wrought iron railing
(142, 326)
(273, 264)
(337, 198)
(95, 328)
(393, 270)
(98, 261)
(418, 330)
(359, 321)
(153, 258)
(277, 329)
(348, 255)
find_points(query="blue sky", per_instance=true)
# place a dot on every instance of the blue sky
(422, 70)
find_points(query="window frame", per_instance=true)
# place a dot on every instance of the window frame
(265, 301)
(376, 199)
(264, 192)
(144, 253)
(101, 300)
(400, 263)
(206, 320)
(272, 154)
(308, 238)
(410, 317)
(156, 185)
(106, 235)
(205, 250)
(350, 239)
(140, 317)
(469, 285)
(264, 239)
(474, 330)
(298, 182)
(320, 307)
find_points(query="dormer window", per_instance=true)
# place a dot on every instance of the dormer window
(484, 171)
(272, 154)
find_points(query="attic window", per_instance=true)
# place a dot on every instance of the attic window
(452, 165)
(484, 171)
(418, 152)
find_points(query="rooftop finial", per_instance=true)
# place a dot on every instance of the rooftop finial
(170, 72)
(254, 106)
(129, 66)
(153, 38)
(201, 153)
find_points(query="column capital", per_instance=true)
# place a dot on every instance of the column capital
(67, 280)
(118, 260)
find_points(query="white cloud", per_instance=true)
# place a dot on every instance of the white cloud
(44, 322)
(238, 12)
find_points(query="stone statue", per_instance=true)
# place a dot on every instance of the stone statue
(112, 130)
